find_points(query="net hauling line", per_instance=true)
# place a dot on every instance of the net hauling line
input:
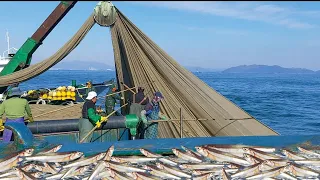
(93, 129)
(129, 89)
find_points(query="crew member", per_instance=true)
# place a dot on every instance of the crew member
(89, 117)
(140, 101)
(111, 99)
(152, 112)
(89, 88)
(15, 109)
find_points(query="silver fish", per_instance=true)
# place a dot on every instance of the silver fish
(143, 176)
(252, 159)
(216, 172)
(28, 167)
(204, 176)
(86, 161)
(191, 152)
(225, 175)
(109, 153)
(132, 159)
(259, 154)
(301, 171)
(217, 155)
(10, 178)
(51, 149)
(122, 167)
(173, 170)
(249, 171)
(75, 171)
(292, 155)
(101, 165)
(37, 175)
(186, 156)
(201, 166)
(13, 160)
(238, 149)
(56, 157)
(23, 175)
(10, 172)
(57, 176)
(315, 162)
(267, 174)
(276, 162)
(161, 158)
(307, 151)
(117, 175)
(158, 172)
(46, 168)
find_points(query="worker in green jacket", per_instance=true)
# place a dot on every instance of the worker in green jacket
(15, 109)
(89, 117)
(111, 99)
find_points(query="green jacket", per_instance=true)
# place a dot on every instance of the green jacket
(89, 112)
(15, 107)
(111, 100)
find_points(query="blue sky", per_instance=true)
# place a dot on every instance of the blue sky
(206, 34)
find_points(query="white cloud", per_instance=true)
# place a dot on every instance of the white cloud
(253, 11)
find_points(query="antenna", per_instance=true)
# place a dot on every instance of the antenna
(8, 41)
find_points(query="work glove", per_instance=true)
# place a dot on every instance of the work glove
(103, 119)
(162, 117)
(1, 125)
(144, 118)
(98, 124)
(30, 119)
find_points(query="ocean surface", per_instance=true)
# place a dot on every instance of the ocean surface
(288, 103)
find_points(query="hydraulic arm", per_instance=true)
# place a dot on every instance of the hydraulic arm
(22, 58)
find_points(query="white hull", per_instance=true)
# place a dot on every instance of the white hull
(4, 62)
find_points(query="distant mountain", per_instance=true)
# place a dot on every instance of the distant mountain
(82, 65)
(266, 69)
(200, 69)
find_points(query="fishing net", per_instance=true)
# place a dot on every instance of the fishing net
(139, 61)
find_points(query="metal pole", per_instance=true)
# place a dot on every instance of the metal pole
(181, 128)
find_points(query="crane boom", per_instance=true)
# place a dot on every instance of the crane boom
(22, 58)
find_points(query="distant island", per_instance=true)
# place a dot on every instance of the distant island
(268, 70)
(83, 65)
(265, 69)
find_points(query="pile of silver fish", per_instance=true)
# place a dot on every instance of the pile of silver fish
(204, 162)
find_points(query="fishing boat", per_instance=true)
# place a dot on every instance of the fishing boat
(229, 124)
(7, 54)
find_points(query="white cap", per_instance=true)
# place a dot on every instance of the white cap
(91, 95)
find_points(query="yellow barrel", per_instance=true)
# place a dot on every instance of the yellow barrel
(54, 98)
(50, 97)
(68, 93)
(54, 94)
(74, 98)
(50, 93)
(73, 94)
(44, 96)
(59, 98)
(63, 93)
(68, 97)
(63, 98)
(58, 93)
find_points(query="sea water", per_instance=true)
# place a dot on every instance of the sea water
(288, 103)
